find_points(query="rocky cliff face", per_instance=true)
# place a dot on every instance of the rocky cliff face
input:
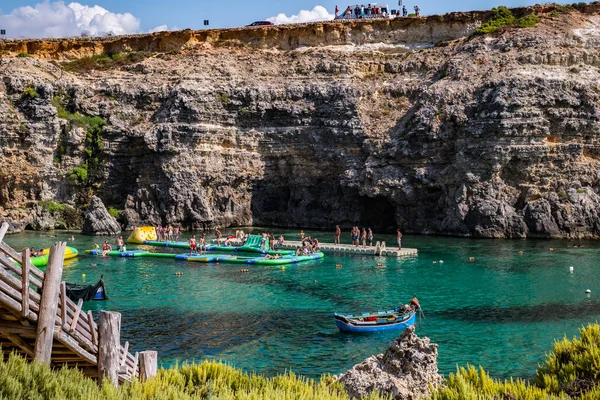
(411, 123)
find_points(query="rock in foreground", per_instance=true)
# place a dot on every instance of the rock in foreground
(405, 371)
(98, 221)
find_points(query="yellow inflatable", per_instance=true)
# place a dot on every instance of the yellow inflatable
(70, 252)
(142, 233)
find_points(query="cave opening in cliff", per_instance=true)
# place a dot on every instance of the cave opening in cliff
(378, 213)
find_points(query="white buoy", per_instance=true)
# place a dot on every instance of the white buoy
(588, 291)
(571, 269)
(441, 261)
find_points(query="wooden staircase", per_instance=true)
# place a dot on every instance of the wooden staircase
(39, 322)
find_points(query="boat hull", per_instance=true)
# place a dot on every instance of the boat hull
(347, 326)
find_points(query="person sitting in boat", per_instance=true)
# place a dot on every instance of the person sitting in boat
(40, 253)
(105, 248)
(32, 252)
(414, 303)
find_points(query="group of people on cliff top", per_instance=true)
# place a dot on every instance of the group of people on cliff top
(374, 11)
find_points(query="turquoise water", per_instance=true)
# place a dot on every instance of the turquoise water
(502, 310)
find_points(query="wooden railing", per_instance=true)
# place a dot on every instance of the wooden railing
(39, 321)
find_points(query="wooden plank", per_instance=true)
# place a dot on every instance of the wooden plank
(11, 266)
(135, 364)
(70, 343)
(10, 304)
(125, 352)
(109, 337)
(148, 364)
(17, 284)
(3, 230)
(6, 249)
(49, 304)
(17, 341)
(25, 284)
(93, 328)
(76, 317)
(63, 302)
(83, 341)
(18, 329)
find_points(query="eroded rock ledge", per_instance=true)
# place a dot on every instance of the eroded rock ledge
(406, 371)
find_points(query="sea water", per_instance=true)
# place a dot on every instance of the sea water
(501, 309)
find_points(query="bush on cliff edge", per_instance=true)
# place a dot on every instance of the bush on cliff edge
(504, 17)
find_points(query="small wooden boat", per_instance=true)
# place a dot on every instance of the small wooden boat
(86, 292)
(380, 321)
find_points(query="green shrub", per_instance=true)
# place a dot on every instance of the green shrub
(105, 61)
(528, 21)
(79, 174)
(30, 93)
(471, 383)
(23, 54)
(504, 17)
(113, 212)
(20, 379)
(223, 98)
(573, 366)
(51, 206)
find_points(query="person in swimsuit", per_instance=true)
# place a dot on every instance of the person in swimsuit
(227, 243)
(120, 243)
(399, 237)
(202, 245)
(263, 241)
(363, 237)
(338, 233)
(177, 233)
(170, 233)
(105, 248)
(370, 236)
(218, 234)
(193, 245)
(355, 236)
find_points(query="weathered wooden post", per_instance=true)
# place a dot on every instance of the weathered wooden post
(109, 346)
(49, 304)
(148, 364)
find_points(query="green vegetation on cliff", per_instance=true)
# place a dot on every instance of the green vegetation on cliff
(571, 371)
(93, 140)
(104, 62)
(504, 17)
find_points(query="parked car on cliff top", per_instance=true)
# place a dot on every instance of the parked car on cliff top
(261, 23)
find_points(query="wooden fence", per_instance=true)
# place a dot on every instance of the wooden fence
(39, 321)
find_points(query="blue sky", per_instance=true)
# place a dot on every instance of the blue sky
(228, 13)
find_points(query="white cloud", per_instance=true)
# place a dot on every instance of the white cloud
(163, 28)
(319, 13)
(56, 19)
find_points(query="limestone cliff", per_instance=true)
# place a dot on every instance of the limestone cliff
(410, 122)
